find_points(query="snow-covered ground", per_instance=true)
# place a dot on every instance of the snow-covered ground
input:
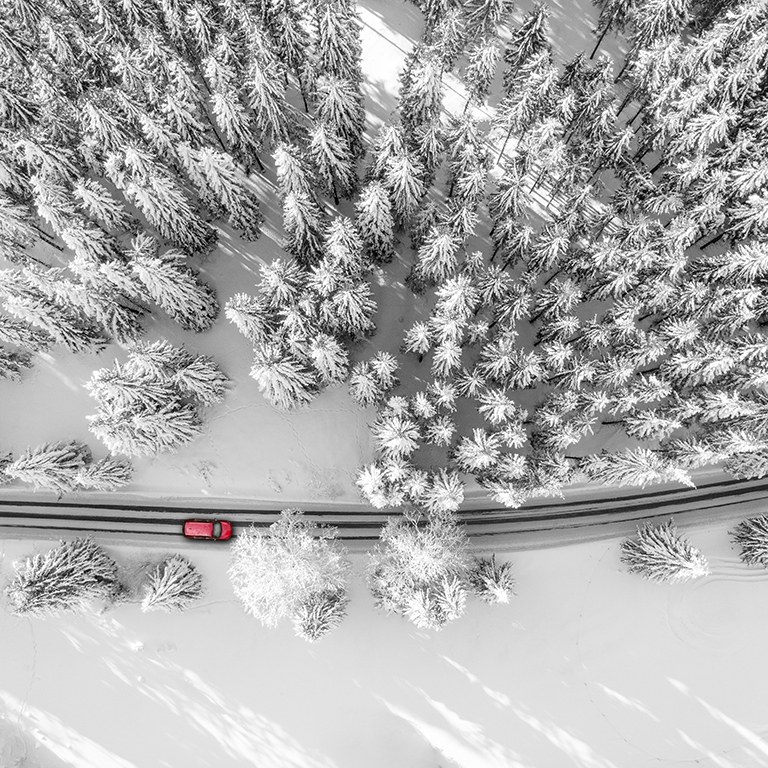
(589, 667)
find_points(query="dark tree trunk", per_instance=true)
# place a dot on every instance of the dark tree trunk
(657, 166)
(48, 239)
(627, 62)
(553, 276)
(637, 114)
(714, 239)
(625, 103)
(600, 39)
(504, 146)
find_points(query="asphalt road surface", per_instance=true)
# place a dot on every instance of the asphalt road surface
(532, 526)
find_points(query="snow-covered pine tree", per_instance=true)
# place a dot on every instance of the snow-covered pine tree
(64, 579)
(332, 160)
(101, 205)
(107, 474)
(344, 249)
(528, 40)
(172, 585)
(51, 466)
(349, 311)
(293, 173)
(638, 466)
(418, 339)
(282, 282)
(449, 36)
(146, 432)
(64, 324)
(437, 258)
(147, 185)
(228, 187)
(403, 178)
(251, 316)
(173, 286)
(659, 554)
(428, 143)
(482, 60)
(303, 225)
(329, 358)
(421, 89)
(286, 22)
(375, 223)
(479, 453)
(339, 105)
(365, 386)
(445, 493)
(483, 16)
(201, 380)
(389, 144)
(265, 83)
(285, 380)
(385, 367)
(338, 45)
(530, 96)
(395, 436)
(235, 122)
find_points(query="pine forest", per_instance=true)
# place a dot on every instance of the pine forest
(580, 248)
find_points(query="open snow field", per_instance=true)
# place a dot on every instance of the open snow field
(589, 667)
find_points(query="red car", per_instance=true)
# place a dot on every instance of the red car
(207, 529)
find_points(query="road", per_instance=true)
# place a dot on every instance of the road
(532, 526)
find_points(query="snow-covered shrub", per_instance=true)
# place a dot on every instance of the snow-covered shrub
(173, 585)
(419, 569)
(752, 536)
(491, 581)
(319, 614)
(66, 578)
(659, 554)
(280, 572)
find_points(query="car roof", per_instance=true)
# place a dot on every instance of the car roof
(204, 526)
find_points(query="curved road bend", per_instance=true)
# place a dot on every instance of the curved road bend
(531, 526)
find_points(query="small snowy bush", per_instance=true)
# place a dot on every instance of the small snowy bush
(490, 581)
(752, 536)
(659, 554)
(280, 573)
(319, 614)
(173, 585)
(419, 569)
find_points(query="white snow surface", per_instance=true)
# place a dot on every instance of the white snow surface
(588, 667)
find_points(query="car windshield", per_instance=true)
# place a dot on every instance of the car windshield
(216, 530)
